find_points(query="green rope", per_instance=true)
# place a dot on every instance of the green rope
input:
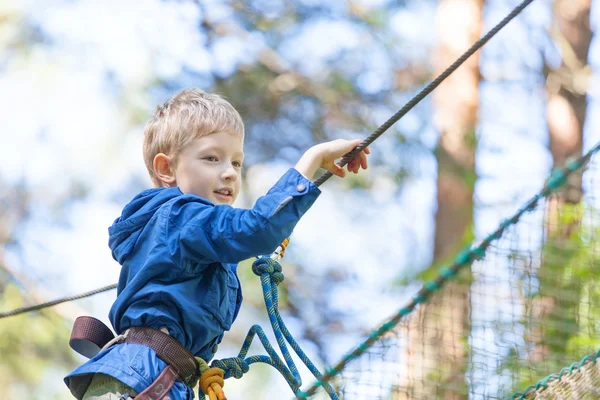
(567, 371)
(465, 258)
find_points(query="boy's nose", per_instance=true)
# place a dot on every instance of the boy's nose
(230, 174)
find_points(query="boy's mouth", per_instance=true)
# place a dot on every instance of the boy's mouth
(224, 194)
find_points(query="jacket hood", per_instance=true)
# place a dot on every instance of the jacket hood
(126, 229)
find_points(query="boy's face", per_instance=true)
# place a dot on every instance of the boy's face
(210, 167)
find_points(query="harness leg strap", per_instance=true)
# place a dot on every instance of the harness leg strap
(159, 389)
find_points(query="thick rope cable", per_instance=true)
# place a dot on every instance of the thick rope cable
(47, 304)
(465, 258)
(426, 91)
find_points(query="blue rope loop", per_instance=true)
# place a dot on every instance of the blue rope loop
(270, 272)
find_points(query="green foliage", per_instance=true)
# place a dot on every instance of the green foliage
(563, 313)
(30, 345)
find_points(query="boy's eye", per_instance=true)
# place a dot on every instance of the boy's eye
(210, 158)
(237, 164)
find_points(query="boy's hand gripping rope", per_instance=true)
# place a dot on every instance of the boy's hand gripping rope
(269, 271)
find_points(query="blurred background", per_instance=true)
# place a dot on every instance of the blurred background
(79, 79)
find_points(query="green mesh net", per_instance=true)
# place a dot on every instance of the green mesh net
(515, 324)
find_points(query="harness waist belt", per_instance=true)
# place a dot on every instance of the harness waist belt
(90, 335)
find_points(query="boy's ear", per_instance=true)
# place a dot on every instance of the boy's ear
(162, 169)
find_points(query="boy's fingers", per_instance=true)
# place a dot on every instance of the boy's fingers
(338, 171)
(358, 162)
(350, 165)
(363, 160)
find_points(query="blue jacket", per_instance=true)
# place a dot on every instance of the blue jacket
(179, 254)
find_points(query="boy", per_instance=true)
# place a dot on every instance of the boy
(179, 243)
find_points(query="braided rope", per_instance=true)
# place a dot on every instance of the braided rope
(426, 91)
(465, 258)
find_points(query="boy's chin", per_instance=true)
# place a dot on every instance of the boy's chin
(228, 200)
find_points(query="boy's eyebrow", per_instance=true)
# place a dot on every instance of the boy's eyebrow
(209, 148)
(219, 148)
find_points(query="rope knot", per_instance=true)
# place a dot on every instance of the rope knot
(277, 278)
(234, 367)
(266, 265)
(212, 382)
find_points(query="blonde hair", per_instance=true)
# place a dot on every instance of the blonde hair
(190, 114)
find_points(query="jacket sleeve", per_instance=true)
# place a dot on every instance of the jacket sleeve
(201, 232)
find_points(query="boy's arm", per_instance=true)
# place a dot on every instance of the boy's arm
(225, 234)
(200, 232)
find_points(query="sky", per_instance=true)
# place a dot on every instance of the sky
(66, 125)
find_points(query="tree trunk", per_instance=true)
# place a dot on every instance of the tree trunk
(436, 356)
(556, 306)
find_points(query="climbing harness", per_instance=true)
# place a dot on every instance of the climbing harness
(90, 336)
